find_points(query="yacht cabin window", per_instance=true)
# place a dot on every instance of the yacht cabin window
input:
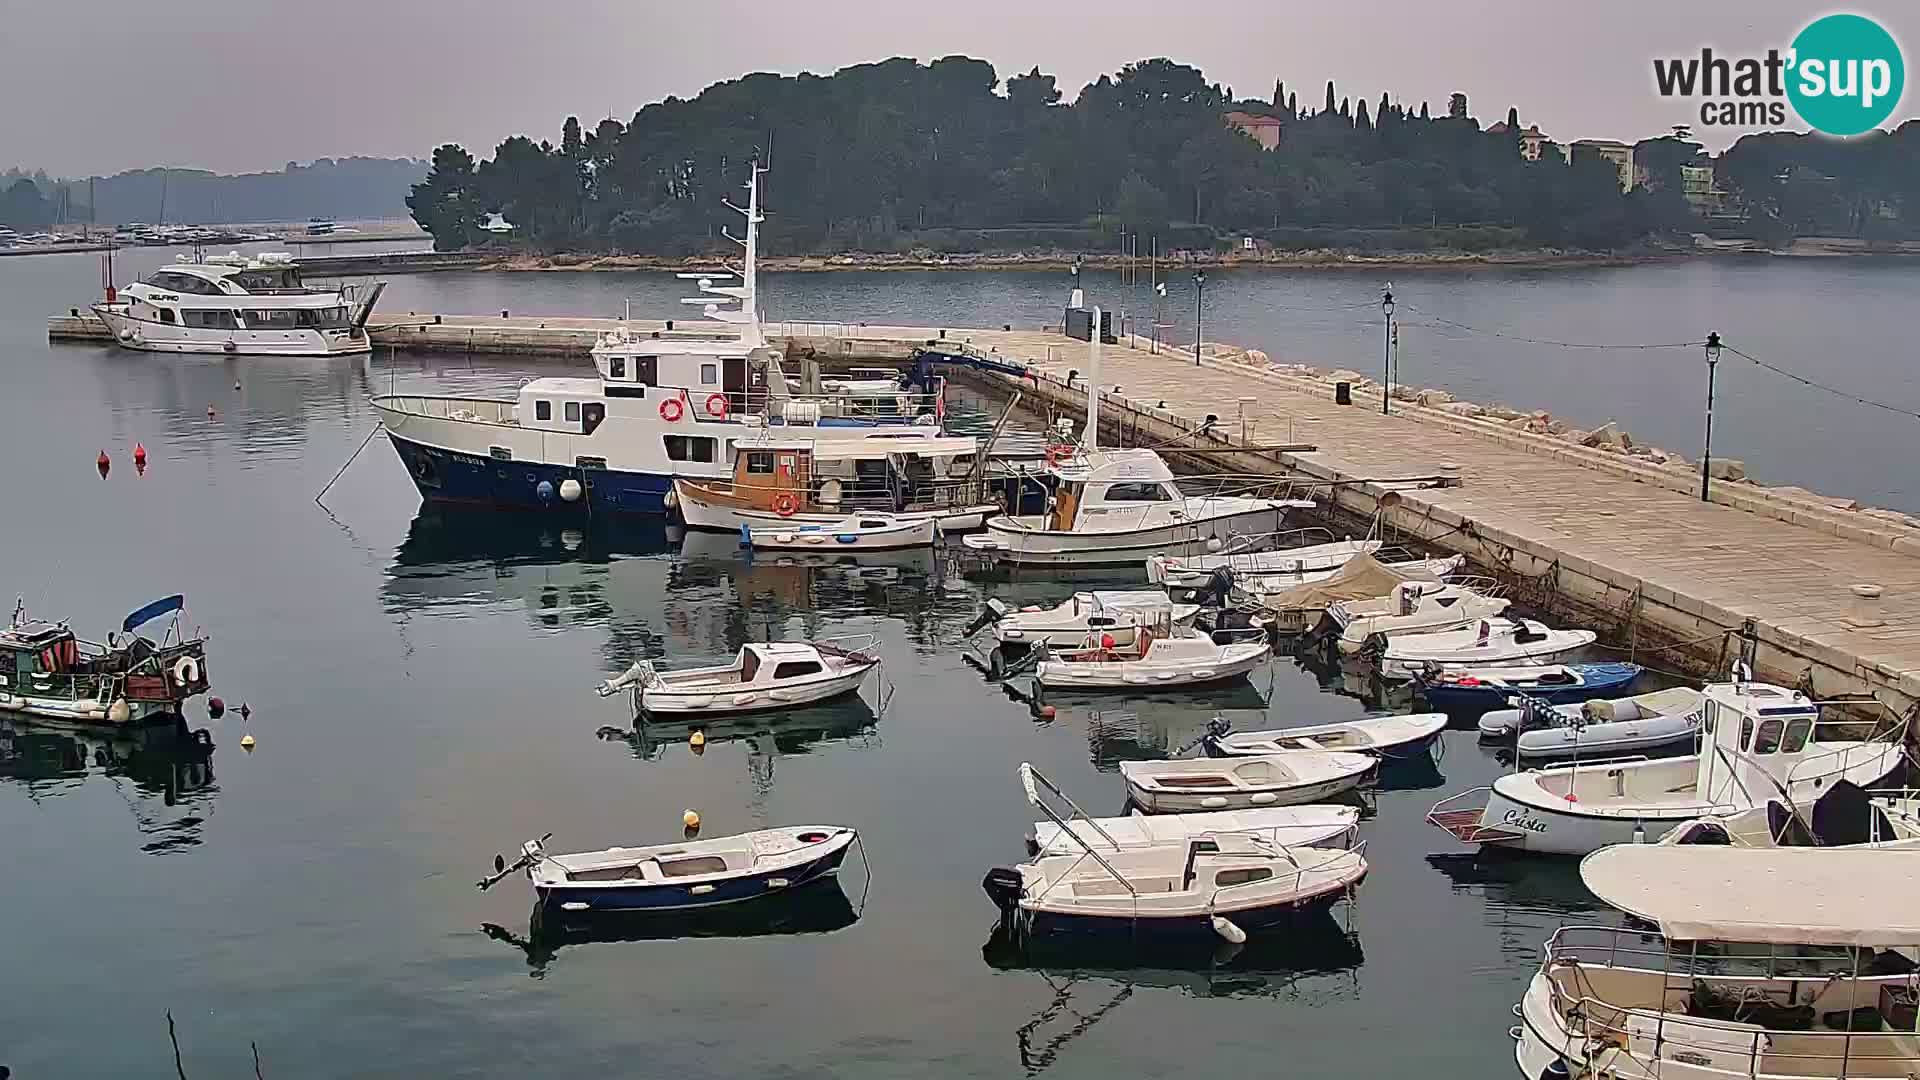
(208, 318)
(689, 448)
(760, 461)
(166, 316)
(590, 416)
(646, 370)
(617, 367)
(1798, 732)
(543, 410)
(271, 318)
(1769, 740)
(792, 669)
(572, 412)
(1746, 733)
(1143, 492)
(709, 374)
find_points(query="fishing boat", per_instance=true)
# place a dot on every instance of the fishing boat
(858, 532)
(1283, 826)
(251, 304)
(1246, 559)
(48, 672)
(763, 675)
(1758, 742)
(1296, 606)
(1610, 727)
(1465, 689)
(1203, 886)
(1116, 507)
(785, 481)
(1289, 779)
(1139, 658)
(665, 404)
(1846, 815)
(1493, 640)
(1415, 607)
(1067, 624)
(683, 876)
(1788, 964)
(1388, 737)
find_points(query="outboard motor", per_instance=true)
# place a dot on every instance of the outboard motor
(1004, 886)
(992, 613)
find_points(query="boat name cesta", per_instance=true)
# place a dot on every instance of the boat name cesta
(1519, 819)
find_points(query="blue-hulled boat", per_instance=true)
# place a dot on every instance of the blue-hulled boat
(687, 876)
(1467, 689)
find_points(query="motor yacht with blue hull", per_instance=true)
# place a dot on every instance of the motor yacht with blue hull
(687, 876)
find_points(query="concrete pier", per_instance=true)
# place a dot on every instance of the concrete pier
(1598, 539)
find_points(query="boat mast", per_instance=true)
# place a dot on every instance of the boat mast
(1094, 349)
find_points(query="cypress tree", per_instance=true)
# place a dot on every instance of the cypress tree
(1329, 105)
(1423, 111)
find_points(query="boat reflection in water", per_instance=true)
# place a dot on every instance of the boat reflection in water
(1317, 961)
(818, 908)
(1526, 899)
(847, 719)
(168, 773)
(1145, 728)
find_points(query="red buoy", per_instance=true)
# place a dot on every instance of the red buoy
(139, 454)
(1046, 712)
(216, 708)
(103, 463)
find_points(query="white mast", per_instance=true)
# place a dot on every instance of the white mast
(1094, 349)
(746, 293)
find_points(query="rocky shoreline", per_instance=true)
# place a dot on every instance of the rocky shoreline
(1056, 261)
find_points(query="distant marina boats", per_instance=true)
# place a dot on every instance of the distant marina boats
(252, 304)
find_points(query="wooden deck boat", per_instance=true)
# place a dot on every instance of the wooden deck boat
(1289, 779)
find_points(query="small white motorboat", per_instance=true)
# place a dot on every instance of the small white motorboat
(1414, 607)
(1388, 737)
(764, 675)
(1149, 661)
(1599, 728)
(1845, 816)
(1498, 640)
(1069, 622)
(1289, 779)
(1296, 605)
(1181, 881)
(858, 532)
(1289, 564)
(1759, 742)
(683, 876)
(1282, 826)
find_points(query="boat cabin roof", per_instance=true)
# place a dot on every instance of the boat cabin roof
(1785, 896)
(908, 439)
(33, 635)
(1100, 466)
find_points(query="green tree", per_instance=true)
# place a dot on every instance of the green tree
(445, 204)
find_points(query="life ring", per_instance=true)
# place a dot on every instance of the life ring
(717, 406)
(186, 671)
(1058, 453)
(671, 410)
(785, 504)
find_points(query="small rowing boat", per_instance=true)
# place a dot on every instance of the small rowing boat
(1150, 661)
(682, 876)
(1388, 737)
(1289, 779)
(858, 532)
(1462, 689)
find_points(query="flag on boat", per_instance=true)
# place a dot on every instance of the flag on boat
(153, 611)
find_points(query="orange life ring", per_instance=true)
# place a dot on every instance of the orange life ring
(785, 504)
(717, 406)
(671, 410)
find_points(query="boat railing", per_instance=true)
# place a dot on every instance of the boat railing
(463, 409)
(1491, 588)
(1707, 1043)
(849, 646)
(857, 494)
(890, 405)
(1838, 760)
(63, 684)
(1248, 546)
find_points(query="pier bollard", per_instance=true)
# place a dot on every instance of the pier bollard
(1342, 393)
(503, 313)
(1863, 609)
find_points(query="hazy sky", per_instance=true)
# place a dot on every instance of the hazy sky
(240, 85)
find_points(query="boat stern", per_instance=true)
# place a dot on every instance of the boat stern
(1467, 818)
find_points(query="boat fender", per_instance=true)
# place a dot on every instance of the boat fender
(186, 671)
(785, 504)
(1214, 802)
(544, 489)
(119, 712)
(230, 347)
(128, 335)
(1228, 932)
(690, 819)
(717, 406)
(570, 490)
(671, 500)
(746, 535)
(847, 538)
(671, 410)
(1263, 798)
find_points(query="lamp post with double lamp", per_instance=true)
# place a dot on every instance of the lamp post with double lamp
(1386, 348)
(1199, 291)
(1706, 454)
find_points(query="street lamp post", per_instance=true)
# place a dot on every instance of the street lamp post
(1706, 455)
(1386, 348)
(1199, 291)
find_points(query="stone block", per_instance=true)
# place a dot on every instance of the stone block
(1727, 469)
(1460, 408)
(1430, 396)
(1604, 435)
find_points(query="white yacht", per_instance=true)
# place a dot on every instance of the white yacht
(1758, 743)
(1117, 507)
(253, 304)
(665, 405)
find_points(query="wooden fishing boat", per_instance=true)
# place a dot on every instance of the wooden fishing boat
(1149, 661)
(1464, 689)
(1284, 826)
(1388, 737)
(46, 671)
(791, 483)
(858, 532)
(763, 675)
(1289, 779)
(683, 876)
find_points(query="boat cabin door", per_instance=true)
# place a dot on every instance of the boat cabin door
(1066, 505)
(733, 381)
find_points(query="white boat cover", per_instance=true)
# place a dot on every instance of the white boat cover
(1361, 578)
(1783, 896)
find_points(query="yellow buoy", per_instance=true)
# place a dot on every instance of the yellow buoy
(246, 743)
(691, 819)
(698, 739)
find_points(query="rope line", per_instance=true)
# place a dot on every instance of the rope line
(1438, 321)
(1804, 381)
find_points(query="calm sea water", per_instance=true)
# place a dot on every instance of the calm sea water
(420, 690)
